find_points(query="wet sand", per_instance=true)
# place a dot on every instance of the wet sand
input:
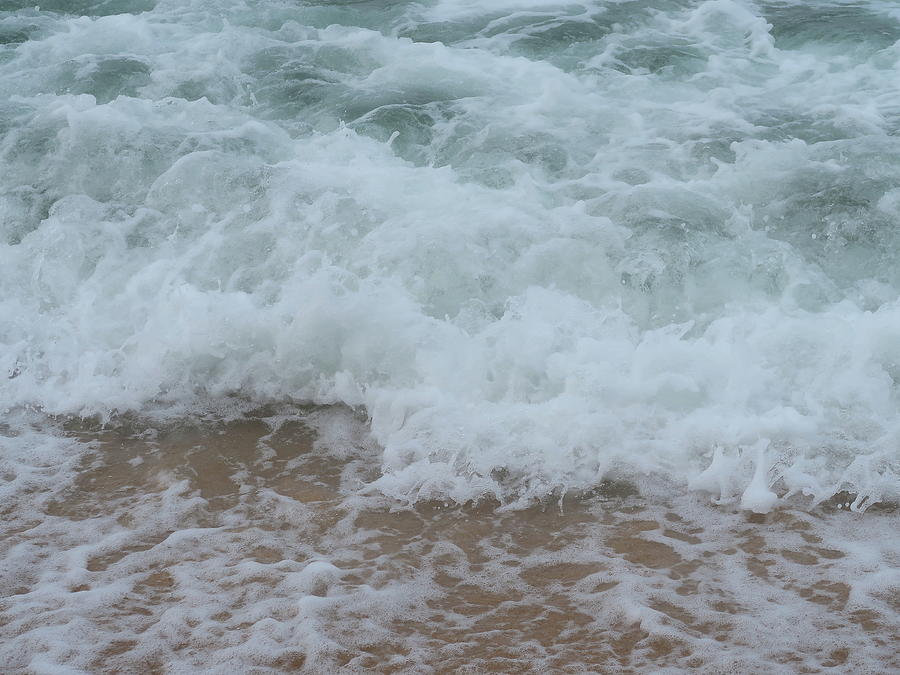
(216, 547)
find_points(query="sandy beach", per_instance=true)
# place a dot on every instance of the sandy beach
(251, 546)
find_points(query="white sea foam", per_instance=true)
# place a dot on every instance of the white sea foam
(234, 547)
(607, 239)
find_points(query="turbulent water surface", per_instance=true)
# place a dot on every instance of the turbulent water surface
(557, 240)
(538, 245)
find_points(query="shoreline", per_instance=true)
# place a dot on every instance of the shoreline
(166, 420)
(236, 547)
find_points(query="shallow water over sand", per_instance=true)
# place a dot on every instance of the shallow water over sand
(255, 546)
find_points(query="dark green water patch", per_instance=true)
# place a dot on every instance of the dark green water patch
(678, 59)
(834, 219)
(413, 125)
(14, 35)
(111, 78)
(82, 7)
(794, 26)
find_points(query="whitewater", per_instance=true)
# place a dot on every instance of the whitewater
(506, 251)
(557, 240)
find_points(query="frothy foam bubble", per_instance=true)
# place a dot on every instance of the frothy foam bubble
(604, 241)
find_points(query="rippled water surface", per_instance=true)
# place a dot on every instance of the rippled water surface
(539, 248)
